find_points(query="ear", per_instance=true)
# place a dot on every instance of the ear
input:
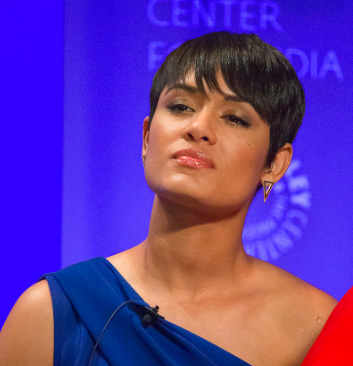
(280, 164)
(145, 135)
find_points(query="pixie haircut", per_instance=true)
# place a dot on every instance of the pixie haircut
(254, 70)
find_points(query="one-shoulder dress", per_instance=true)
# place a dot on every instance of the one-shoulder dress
(86, 295)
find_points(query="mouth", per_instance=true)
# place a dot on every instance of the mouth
(193, 158)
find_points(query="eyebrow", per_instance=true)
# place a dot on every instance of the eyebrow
(183, 86)
(194, 90)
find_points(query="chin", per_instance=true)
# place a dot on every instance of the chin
(197, 202)
(181, 187)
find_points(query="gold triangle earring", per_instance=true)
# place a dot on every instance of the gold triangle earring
(267, 188)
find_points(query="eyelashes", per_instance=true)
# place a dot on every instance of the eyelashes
(178, 107)
(232, 119)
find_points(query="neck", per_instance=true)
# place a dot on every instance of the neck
(190, 250)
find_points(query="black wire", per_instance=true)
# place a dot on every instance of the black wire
(105, 327)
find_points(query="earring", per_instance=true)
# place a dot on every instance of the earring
(267, 188)
(143, 157)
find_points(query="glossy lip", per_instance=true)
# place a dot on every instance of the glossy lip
(193, 158)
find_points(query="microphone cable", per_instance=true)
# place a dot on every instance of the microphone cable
(147, 319)
(105, 327)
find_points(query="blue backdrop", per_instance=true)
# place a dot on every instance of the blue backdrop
(111, 51)
(31, 144)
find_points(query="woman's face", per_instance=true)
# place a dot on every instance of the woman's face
(205, 150)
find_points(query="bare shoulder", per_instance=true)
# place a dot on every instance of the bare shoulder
(296, 291)
(297, 309)
(27, 337)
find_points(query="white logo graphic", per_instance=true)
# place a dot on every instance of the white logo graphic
(271, 228)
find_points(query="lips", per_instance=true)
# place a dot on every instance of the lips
(193, 158)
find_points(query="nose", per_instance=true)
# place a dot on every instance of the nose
(201, 128)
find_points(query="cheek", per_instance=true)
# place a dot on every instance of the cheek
(159, 137)
(164, 132)
(256, 155)
(159, 150)
(251, 154)
(245, 161)
(259, 146)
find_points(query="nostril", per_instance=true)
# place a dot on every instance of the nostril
(205, 138)
(191, 136)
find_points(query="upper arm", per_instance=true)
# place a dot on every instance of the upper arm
(319, 307)
(325, 304)
(27, 337)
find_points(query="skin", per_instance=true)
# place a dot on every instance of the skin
(192, 263)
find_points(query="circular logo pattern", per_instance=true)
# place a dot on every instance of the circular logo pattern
(271, 228)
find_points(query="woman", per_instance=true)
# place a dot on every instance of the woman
(224, 110)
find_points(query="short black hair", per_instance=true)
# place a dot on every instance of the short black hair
(254, 70)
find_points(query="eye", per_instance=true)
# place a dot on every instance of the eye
(235, 120)
(178, 107)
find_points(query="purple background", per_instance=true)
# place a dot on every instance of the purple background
(76, 78)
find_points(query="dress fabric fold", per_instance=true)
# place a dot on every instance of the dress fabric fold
(84, 297)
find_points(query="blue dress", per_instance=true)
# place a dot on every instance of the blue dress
(85, 295)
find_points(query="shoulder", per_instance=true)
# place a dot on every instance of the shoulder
(307, 302)
(27, 337)
(298, 309)
(298, 292)
(293, 289)
(335, 343)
